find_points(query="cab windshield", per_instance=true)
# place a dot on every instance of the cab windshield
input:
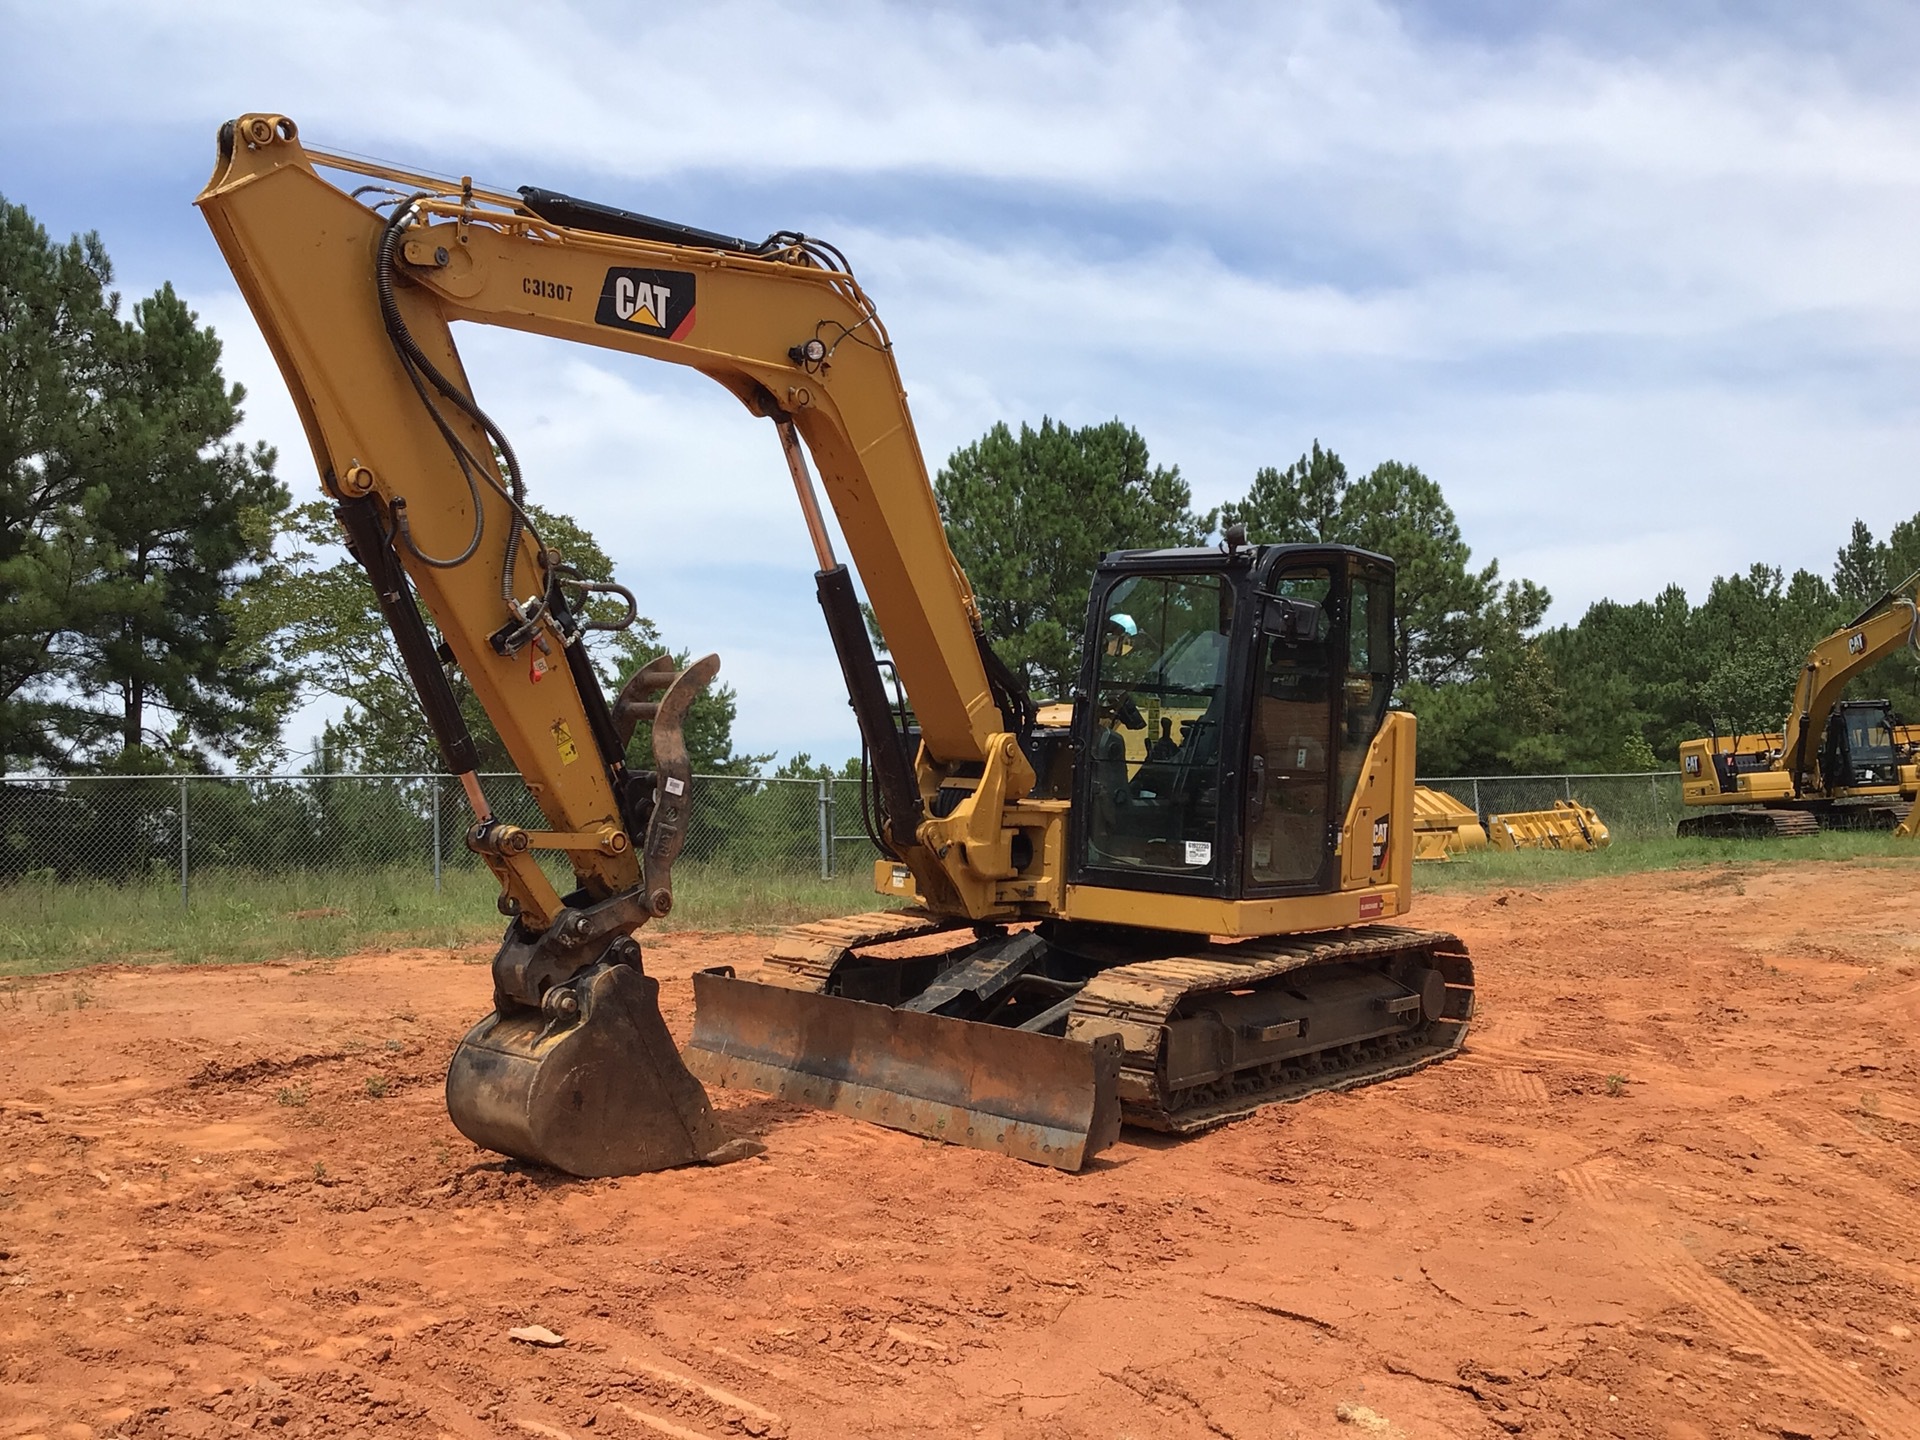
(1159, 711)
(1869, 739)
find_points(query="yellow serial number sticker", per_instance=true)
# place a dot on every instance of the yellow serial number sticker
(563, 742)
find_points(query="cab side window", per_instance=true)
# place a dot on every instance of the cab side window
(1289, 745)
(1369, 676)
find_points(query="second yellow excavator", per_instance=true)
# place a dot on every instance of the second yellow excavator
(1086, 930)
(1835, 764)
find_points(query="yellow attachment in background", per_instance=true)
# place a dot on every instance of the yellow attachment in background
(1569, 825)
(1443, 827)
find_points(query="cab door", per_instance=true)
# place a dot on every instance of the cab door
(1321, 677)
(1291, 751)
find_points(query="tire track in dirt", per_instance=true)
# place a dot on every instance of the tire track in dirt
(1523, 1087)
(1591, 1182)
(1852, 1130)
(1816, 1241)
(702, 1409)
(1709, 1207)
(164, 1237)
(1868, 1195)
(1712, 1205)
(1821, 1154)
(1501, 1053)
(801, 1382)
(659, 1425)
(1510, 1029)
(1671, 1266)
(1894, 1107)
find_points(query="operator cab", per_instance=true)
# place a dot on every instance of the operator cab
(1227, 703)
(1859, 749)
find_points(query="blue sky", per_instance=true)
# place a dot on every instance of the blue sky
(1633, 282)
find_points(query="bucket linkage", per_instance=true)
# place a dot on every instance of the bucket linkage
(575, 1067)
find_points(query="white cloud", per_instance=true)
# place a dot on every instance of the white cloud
(685, 491)
(1640, 301)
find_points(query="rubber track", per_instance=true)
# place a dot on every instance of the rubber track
(1746, 825)
(1136, 1001)
(804, 956)
(1866, 815)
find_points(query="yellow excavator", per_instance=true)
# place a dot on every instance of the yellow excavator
(1084, 929)
(1836, 764)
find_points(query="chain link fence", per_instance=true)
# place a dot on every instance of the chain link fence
(164, 829)
(1633, 807)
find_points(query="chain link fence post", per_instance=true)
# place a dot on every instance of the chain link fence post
(826, 828)
(436, 835)
(183, 843)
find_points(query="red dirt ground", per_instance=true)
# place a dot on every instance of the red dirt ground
(1668, 1192)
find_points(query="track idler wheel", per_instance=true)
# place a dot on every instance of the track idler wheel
(590, 1082)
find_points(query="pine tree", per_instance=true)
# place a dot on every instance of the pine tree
(128, 519)
(57, 330)
(312, 606)
(179, 513)
(1860, 568)
(1449, 617)
(1029, 517)
(1302, 504)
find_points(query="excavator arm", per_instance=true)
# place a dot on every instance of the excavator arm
(1882, 628)
(356, 293)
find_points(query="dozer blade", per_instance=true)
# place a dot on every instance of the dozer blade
(590, 1083)
(1035, 1097)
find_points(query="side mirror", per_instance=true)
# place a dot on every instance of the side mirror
(1291, 620)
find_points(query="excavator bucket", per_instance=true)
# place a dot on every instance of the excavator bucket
(589, 1083)
(1039, 1098)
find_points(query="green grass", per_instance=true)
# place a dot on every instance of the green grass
(1491, 869)
(238, 917)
